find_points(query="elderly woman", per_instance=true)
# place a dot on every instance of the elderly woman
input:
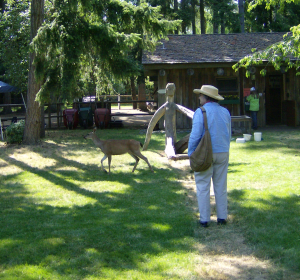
(219, 126)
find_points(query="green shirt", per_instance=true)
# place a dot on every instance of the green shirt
(254, 102)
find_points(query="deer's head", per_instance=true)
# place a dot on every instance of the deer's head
(90, 135)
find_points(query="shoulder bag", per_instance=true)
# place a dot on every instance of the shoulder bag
(201, 159)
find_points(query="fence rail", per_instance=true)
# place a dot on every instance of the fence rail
(54, 117)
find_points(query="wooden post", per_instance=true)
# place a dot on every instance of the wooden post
(162, 83)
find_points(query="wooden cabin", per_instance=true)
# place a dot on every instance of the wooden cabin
(191, 61)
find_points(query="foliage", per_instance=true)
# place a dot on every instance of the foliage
(99, 43)
(14, 43)
(270, 3)
(14, 132)
(285, 53)
(271, 17)
(223, 13)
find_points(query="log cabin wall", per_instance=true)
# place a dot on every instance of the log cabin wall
(191, 61)
(188, 79)
(234, 83)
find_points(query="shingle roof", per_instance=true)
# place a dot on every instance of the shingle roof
(210, 47)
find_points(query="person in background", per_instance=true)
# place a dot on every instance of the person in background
(253, 99)
(219, 126)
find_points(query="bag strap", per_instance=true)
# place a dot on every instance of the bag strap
(204, 117)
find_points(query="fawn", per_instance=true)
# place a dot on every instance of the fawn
(118, 147)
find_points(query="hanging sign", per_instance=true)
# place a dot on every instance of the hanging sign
(246, 92)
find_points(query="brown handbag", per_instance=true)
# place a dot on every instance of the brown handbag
(201, 159)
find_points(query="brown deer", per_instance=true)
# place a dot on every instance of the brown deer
(118, 147)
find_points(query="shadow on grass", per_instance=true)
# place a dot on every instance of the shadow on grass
(127, 231)
(271, 225)
(119, 231)
(287, 140)
(232, 167)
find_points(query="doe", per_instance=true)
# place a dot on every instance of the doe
(118, 147)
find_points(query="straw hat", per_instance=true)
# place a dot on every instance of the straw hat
(210, 91)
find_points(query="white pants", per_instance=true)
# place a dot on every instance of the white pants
(218, 173)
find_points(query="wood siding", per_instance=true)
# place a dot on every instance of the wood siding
(186, 80)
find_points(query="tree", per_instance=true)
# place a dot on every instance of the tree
(275, 16)
(202, 18)
(102, 42)
(286, 52)
(14, 44)
(242, 15)
(33, 125)
(223, 15)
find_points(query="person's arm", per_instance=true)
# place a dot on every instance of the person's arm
(197, 131)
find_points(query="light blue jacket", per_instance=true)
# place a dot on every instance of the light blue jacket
(219, 126)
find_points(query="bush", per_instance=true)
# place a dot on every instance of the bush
(14, 133)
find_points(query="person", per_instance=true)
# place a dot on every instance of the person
(219, 126)
(253, 99)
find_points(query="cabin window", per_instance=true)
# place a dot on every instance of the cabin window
(227, 84)
(228, 87)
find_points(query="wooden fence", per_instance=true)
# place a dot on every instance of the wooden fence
(54, 112)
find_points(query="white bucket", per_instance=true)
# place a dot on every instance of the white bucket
(257, 136)
(247, 137)
(240, 140)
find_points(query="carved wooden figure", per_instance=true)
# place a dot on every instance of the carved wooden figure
(168, 110)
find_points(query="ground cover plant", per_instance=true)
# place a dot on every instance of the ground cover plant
(63, 218)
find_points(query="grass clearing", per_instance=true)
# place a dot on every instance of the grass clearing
(63, 218)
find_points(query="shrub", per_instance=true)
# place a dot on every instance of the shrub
(14, 133)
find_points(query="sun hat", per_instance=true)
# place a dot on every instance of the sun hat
(252, 89)
(210, 91)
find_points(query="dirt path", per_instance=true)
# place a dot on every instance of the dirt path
(223, 250)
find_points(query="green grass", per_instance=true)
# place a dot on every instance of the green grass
(264, 195)
(63, 218)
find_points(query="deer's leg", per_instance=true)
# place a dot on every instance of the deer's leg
(104, 158)
(139, 154)
(109, 161)
(136, 160)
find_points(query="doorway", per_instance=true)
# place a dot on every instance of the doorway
(273, 99)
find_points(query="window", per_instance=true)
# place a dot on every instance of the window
(229, 85)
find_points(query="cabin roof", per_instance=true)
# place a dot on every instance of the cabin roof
(209, 48)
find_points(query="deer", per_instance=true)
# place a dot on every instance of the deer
(118, 147)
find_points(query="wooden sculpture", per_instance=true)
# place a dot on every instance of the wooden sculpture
(168, 109)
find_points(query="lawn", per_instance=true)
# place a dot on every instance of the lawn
(64, 218)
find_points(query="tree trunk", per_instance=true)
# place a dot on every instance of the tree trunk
(222, 23)
(33, 124)
(242, 15)
(202, 17)
(215, 20)
(194, 18)
(176, 12)
(133, 92)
